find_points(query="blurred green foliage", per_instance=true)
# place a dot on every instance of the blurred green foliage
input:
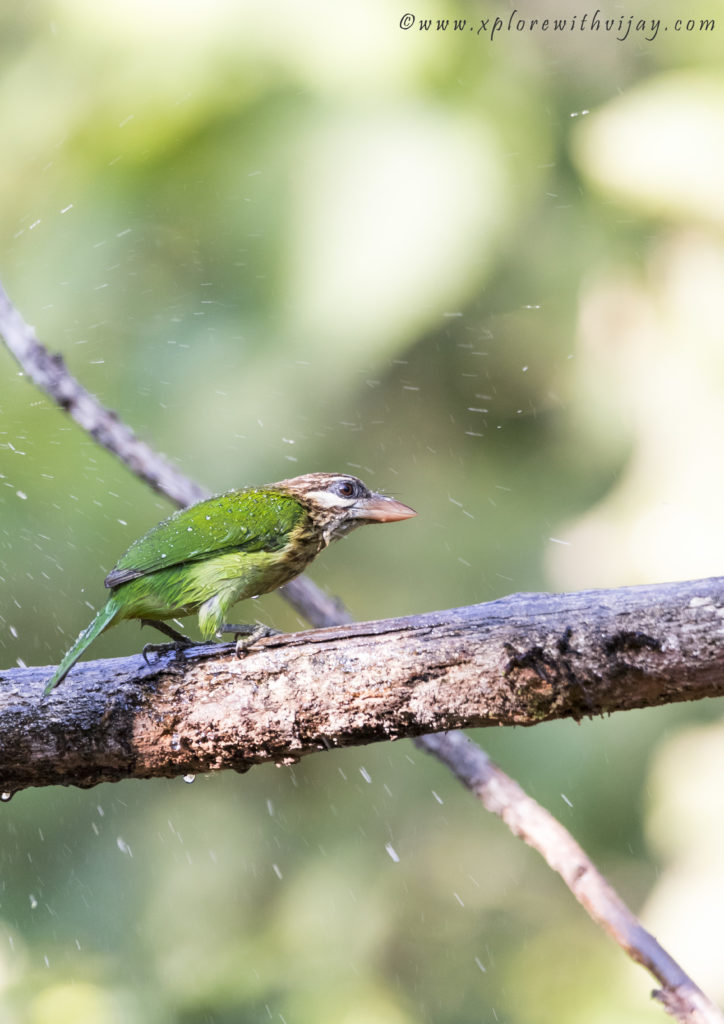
(483, 275)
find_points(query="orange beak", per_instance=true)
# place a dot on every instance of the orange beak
(378, 508)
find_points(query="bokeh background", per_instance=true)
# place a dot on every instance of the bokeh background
(487, 276)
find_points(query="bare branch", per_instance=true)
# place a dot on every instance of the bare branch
(121, 719)
(49, 373)
(314, 604)
(501, 795)
(525, 659)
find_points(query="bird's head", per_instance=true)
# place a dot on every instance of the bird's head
(338, 503)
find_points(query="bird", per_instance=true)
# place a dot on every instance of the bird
(240, 544)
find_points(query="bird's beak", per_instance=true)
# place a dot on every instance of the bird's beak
(378, 508)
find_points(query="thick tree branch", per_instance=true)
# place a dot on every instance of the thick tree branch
(525, 659)
(91, 726)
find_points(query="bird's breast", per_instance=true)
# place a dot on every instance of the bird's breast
(305, 543)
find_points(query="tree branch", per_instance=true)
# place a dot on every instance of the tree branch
(501, 795)
(49, 373)
(166, 718)
(525, 659)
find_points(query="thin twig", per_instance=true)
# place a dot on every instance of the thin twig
(49, 373)
(681, 998)
(525, 818)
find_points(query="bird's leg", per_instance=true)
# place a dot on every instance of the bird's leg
(180, 641)
(164, 627)
(247, 634)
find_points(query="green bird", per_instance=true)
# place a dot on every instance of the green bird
(205, 558)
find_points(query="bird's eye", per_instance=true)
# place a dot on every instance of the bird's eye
(345, 489)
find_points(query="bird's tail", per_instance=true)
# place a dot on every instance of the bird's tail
(103, 619)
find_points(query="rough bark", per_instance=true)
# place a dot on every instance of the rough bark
(117, 725)
(525, 659)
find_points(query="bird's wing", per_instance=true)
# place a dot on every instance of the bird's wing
(253, 520)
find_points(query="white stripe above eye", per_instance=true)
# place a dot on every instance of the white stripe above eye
(328, 500)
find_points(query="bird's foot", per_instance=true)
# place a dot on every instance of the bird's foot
(247, 635)
(179, 642)
(175, 646)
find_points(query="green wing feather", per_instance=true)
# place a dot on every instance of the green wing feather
(251, 520)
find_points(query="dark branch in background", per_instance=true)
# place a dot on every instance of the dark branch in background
(545, 668)
(49, 372)
(537, 827)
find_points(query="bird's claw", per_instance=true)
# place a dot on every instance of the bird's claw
(243, 643)
(177, 646)
(179, 641)
(247, 636)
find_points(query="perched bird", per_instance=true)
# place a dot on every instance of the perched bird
(208, 556)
